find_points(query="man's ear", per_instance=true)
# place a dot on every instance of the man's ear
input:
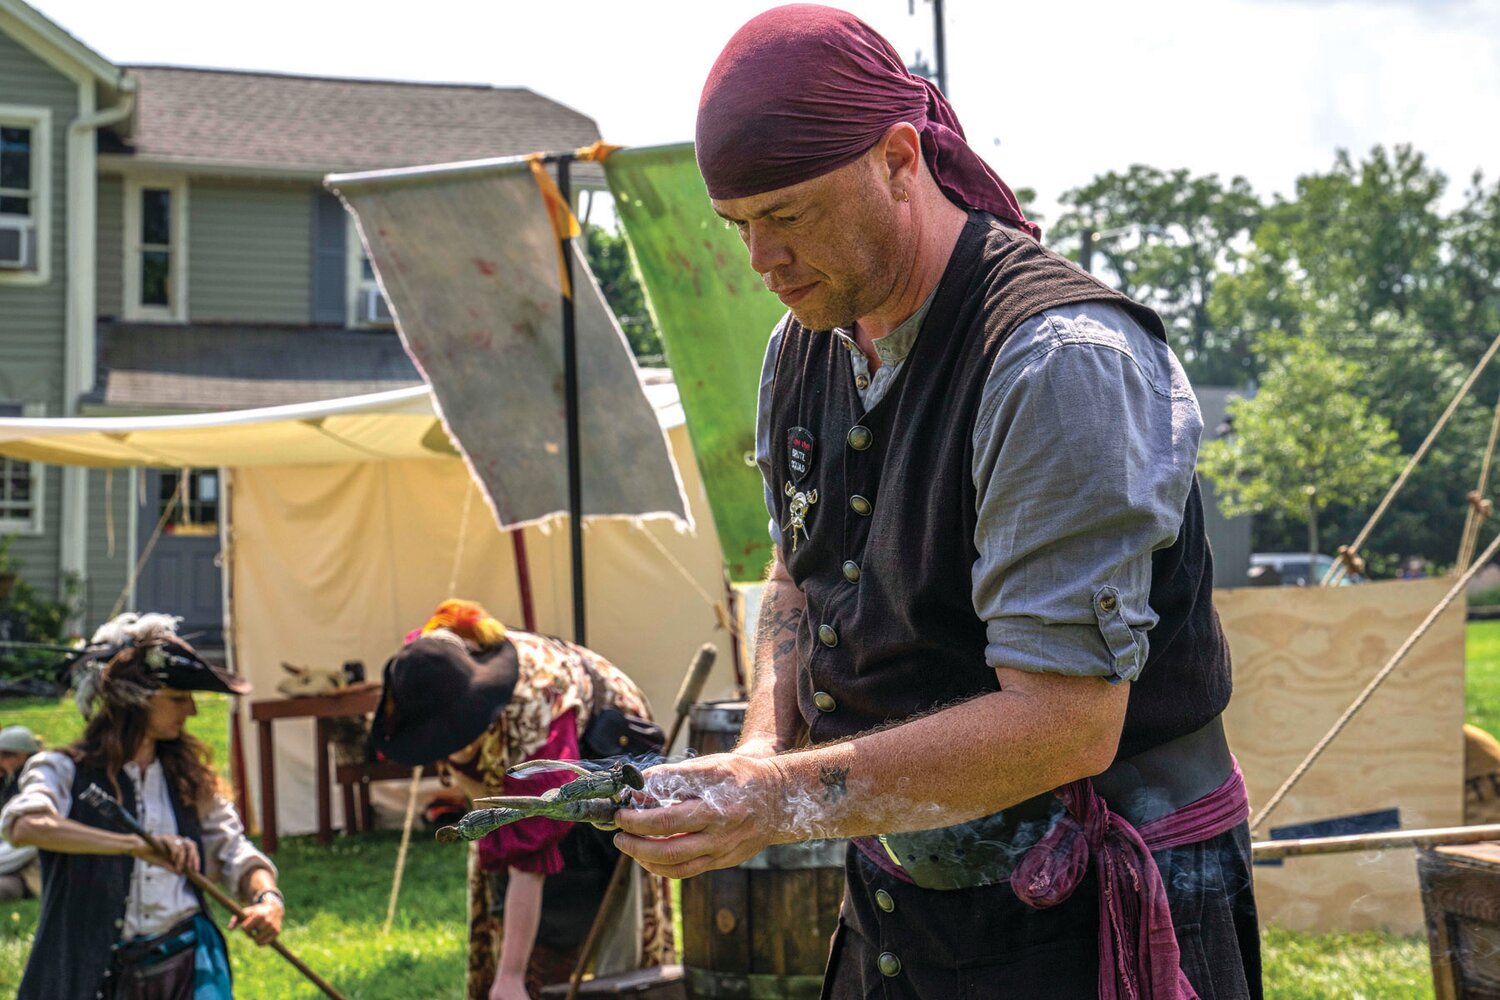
(902, 150)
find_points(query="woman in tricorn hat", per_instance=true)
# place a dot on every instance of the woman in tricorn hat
(117, 921)
(477, 699)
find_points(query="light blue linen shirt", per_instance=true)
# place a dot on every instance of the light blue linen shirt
(1084, 449)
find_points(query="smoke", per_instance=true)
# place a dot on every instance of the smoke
(799, 813)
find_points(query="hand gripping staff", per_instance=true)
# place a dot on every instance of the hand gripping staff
(106, 803)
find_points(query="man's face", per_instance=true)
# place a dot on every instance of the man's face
(829, 247)
(11, 762)
(168, 710)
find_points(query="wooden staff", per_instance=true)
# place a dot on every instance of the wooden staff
(692, 687)
(1270, 850)
(107, 804)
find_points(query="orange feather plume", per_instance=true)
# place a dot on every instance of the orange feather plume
(468, 620)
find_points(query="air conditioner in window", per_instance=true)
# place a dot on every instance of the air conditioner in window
(373, 307)
(15, 243)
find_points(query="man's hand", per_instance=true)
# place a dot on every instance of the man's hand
(262, 921)
(182, 853)
(721, 810)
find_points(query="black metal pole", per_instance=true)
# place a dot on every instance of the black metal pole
(939, 47)
(570, 392)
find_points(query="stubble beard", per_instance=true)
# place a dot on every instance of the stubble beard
(838, 310)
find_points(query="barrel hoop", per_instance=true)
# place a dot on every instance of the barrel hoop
(713, 718)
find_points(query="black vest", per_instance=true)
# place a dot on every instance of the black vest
(83, 901)
(890, 630)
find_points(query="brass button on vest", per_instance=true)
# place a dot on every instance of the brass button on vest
(827, 636)
(861, 506)
(824, 701)
(885, 902)
(851, 571)
(888, 964)
(1108, 603)
(860, 437)
(861, 381)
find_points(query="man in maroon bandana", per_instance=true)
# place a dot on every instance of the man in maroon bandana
(991, 598)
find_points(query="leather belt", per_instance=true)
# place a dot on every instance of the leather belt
(1141, 788)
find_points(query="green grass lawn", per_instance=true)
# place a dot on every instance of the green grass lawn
(1482, 684)
(336, 899)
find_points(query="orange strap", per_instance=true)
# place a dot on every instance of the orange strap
(564, 224)
(597, 152)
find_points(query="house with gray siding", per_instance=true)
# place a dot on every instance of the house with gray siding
(166, 245)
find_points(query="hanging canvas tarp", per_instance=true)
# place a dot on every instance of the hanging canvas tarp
(381, 426)
(468, 260)
(715, 317)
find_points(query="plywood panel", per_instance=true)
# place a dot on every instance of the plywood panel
(1301, 655)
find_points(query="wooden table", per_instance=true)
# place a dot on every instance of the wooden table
(317, 708)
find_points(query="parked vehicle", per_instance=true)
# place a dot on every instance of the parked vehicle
(1290, 567)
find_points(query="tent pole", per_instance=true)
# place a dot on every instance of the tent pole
(570, 389)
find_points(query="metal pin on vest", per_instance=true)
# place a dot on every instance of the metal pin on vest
(797, 511)
(799, 455)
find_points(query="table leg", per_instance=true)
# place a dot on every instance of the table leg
(366, 808)
(325, 810)
(351, 823)
(267, 786)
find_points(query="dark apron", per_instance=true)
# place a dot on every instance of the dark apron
(985, 944)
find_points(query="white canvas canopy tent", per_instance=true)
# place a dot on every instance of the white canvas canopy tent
(346, 521)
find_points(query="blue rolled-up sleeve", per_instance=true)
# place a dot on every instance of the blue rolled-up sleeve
(763, 428)
(1084, 450)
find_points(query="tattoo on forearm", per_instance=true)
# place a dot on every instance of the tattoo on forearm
(835, 782)
(788, 621)
(779, 626)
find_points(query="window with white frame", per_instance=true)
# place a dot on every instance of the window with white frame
(156, 247)
(20, 483)
(25, 173)
(366, 305)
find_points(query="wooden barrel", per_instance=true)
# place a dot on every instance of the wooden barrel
(1461, 898)
(761, 929)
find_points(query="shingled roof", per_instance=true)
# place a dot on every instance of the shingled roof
(148, 367)
(319, 124)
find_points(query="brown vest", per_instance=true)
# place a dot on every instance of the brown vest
(890, 630)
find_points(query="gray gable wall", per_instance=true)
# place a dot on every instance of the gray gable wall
(109, 256)
(32, 332)
(249, 254)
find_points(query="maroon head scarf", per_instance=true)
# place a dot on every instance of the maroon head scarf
(802, 90)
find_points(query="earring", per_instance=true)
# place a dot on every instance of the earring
(902, 196)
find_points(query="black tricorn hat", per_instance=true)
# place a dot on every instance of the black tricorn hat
(184, 669)
(440, 696)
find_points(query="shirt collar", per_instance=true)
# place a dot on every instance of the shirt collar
(896, 345)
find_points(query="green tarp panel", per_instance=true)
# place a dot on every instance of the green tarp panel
(715, 317)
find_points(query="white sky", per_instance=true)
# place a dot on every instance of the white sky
(1050, 93)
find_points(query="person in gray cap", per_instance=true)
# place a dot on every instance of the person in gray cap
(20, 874)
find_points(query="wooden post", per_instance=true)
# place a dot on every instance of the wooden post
(267, 786)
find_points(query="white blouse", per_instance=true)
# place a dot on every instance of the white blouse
(159, 898)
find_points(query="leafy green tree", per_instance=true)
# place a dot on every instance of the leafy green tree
(1168, 238)
(1471, 237)
(1307, 439)
(609, 258)
(1361, 241)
